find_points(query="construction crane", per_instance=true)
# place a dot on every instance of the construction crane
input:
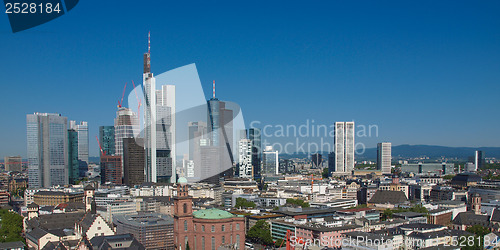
(287, 239)
(100, 148)
(123, 94)
(138, 101)
(312, 185)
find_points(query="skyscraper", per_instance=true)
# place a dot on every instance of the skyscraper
(255, 136)
(478, 160)
(331, 163)
(270, 162)
(133, 161)
(165, 134)
(111, 169)
(73, 163)
(245, 158)
(83, 145)
(47, 138)
(197, 131)
(149, 84)
(317, 160)
(344, 147)
(107, 139)
(384, 157)
(126, 126)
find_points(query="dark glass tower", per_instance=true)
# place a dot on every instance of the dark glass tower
(73, 165)
(255, 136)
(107, 139)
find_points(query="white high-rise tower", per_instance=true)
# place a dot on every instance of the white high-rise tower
(149, 83)
(384, 157)
(344, 147)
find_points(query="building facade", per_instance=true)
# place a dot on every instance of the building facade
(47, 150)
(107, 139)
(270, 162)
(133, 161)
(344, 147)
(13, 163)
(384, 157)
(206, 229)
(111, 169)
(245, 158)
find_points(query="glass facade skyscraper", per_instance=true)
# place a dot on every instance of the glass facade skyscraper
(47, 139)
(73, 164)
(107, 139)
(254, 135)
(344, 147)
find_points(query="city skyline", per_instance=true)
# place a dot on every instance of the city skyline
(430, 71)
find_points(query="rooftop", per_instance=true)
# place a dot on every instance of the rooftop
(212, 214)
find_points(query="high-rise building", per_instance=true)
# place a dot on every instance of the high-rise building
(255, 136)
(13, 163)
(107, 139)
(197, 131)
(47, 138)
(384, 157)
(317, 160)
(111, 169)
(83, 145)
(133, 161)
(245, 158)
(126, 126)
(344, 147)
(165, 134)
(149, 84)
(270, 163)
(478, 160)
(73, 163)
(153, 230)
(331, 163)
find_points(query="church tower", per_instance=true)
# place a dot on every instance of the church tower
(476, 203)
(183, 216)
(89, 201)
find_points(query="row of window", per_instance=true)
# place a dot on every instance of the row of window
(213, 247)
(223, 227)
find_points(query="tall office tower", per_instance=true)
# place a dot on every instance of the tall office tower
(344, 147)
(83, 140)
(245, 158)
(111, 169)
(13, 163)
(107, 139)
(270, 163)
(197, 131)
(384, 157)
(73, 163)
(165, 134)
(220, 130)
(255, 136)
(126, 126)
(149, 84)
(331, 163)
(478, 160)
(317, 160)
(133, 161)
(47, 138)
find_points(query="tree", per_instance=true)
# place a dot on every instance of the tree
(260, 233)
(479, 233)
(11, 226)
(244, 203)
(298, 202)
(325, 173)
(448, 177)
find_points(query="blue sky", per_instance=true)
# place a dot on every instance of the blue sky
(424, 72)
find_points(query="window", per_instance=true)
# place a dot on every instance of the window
(185, 242)
(231, 227)
(213, 243)
(237, 226)
(223, 240)
(185, 225)
(195, 242)
(223, 228)
(237, 241)
(203, 243)
(195, 227)
(98, 228)
(203, 228)
(213, 228)
(185, 208)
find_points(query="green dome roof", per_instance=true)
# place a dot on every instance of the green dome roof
(212, 214)
(182, 180)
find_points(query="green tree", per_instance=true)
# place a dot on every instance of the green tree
(260, 233)
(244, 203)
(11, 226)
(325, 173)
(298, 202)
(479, 233)
(448, 177)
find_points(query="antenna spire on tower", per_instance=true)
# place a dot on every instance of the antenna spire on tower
(149, 42)
(213, 95)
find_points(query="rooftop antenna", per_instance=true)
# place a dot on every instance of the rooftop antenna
(149, 42)
(213, 95)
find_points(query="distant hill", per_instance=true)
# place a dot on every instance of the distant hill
(411, 151)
